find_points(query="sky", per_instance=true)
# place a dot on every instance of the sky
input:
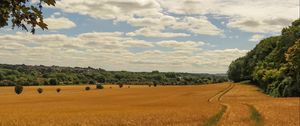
(197, 36)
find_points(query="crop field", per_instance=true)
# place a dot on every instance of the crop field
(207, 105)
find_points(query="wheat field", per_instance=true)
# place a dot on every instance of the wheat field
(145, 106)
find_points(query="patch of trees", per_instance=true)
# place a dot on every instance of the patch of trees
(23, 14)
(273, 65)
(54, 75)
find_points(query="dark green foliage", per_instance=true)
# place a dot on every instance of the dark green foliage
(23, 13)
(53, 81)
(46, 82)
(273, 64)
(58, 90)
(100, 79)
(92, 82)
(18, 89)
(40, 90)
(99, 86)
(155, 84)
(54, 75)
(87, 88)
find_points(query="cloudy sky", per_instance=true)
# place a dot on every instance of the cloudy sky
(199, 36)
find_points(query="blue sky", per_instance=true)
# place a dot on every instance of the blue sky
(196, 36)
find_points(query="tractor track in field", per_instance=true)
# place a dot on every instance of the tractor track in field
(213, 120)
(221, 93)
(254, 116)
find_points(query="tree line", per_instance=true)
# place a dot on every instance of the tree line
(54, 75)
(273, 65)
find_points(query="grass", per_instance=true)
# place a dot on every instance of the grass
(255, 116)
(215, 118)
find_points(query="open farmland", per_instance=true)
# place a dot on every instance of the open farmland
(215, 104)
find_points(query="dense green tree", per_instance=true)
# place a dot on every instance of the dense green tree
(53, 75)
(53, 81)
(18, 89)
(99, 86)
(23, 13)
(273, 64)
(235, 71)
(58, 90)
(293, 58)
(100, 79)
(40, 90)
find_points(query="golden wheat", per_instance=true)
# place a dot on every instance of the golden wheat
(140, 105)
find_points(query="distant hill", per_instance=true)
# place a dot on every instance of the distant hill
(273, 65)
(56, 75)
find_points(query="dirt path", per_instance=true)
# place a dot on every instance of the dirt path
(233, 113)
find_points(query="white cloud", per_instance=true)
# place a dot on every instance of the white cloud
(111, 9)
(198, 25)
(138, 43)
(186, 45)
(248, 15)
(148, 15)
(153, 32)
(113, 51)
(259, 26)
(57, 23)
(256, 38)
(259, 16)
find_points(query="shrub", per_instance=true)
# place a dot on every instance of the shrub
(18, 89)
(92, 82)
(120, 85)
(100, 79)
(40, 90)
(46, 82)
(99, 86)
(87, 88)
(53, 81)
(149, 85)
(155, 84)
(76, 82)
(58, 90)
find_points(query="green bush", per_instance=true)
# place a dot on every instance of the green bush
(53, 81)
(99, 86)
(58, 90)
(92, 82)
(87, 88)
(46, 82)
(18, 89)
(40, 90)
